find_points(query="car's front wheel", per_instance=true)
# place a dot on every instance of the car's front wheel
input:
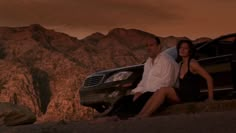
(101, 108)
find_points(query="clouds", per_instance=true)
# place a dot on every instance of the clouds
(85, 13)
(83, 17)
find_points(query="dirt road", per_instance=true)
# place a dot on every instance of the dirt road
(215, 122)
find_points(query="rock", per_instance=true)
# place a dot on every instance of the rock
(171, 41)
(94, 38)
(38, 70)
(12, 115)
(16, 85)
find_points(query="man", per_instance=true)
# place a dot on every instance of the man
(160, 70)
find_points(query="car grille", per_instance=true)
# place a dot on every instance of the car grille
(93, 81)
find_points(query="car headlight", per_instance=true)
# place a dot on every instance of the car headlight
(119, 76)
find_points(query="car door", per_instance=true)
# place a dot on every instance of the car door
(218, 58)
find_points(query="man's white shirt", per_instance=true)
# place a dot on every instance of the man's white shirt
(163, 72)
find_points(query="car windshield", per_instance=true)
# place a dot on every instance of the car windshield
(172, 51)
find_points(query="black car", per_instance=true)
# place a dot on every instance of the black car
(102, 89)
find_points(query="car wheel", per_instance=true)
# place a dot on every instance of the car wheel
(100, 108)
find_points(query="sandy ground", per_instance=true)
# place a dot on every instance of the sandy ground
(215, 122)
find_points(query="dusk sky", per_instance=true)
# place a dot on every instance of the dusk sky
(80, 18)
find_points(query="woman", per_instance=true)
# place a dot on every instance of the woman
(188, 89)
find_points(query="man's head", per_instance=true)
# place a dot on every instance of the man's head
(153, 47)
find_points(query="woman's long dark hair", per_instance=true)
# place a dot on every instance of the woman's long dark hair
(192, 49)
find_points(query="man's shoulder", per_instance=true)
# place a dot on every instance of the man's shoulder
(148, 60)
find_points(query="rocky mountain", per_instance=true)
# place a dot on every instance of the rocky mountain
(43, 69)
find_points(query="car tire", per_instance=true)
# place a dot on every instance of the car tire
(100, 108)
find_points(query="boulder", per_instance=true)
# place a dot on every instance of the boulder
(12, 114)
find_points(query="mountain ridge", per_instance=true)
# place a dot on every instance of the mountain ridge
(44, 69)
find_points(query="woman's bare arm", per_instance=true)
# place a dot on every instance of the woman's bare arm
(197, 68)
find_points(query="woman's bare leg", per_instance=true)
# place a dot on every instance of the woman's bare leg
(157, 99)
